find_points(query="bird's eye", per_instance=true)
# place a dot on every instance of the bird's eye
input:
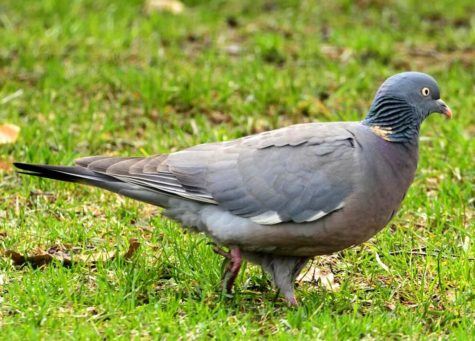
(425, 92)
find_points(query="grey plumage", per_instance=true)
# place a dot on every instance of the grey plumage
(283, 196)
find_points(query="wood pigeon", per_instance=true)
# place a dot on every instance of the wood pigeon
(281, 197)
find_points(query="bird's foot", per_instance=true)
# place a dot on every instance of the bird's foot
(233, 265)
(289, 297)
(291, 300)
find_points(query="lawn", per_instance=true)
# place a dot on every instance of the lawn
(92, 77)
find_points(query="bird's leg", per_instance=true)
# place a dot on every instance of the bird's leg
(291, 300)
(234, 267)
(233, 259)
(284, 270)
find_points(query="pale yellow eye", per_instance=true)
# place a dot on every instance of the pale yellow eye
(425, 91)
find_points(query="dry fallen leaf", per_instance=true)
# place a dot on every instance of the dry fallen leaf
(5, 166)
(172, 6)
(218, 117)
(94, 258)
(39, 259)
(133, 246)
(8, 133)
(14, 256)
(324, 278)
(42, 258)
(336, 53)
(390, 306)
(109, 255)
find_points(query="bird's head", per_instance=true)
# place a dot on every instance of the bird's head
(401, 104)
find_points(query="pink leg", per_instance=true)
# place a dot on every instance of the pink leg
(232, 268)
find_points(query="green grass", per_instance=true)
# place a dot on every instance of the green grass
(101, 77)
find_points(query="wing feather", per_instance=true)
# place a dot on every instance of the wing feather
(294, 174)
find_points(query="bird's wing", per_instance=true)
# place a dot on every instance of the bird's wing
(300, 173)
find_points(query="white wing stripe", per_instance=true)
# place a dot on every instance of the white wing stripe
(267, 218)
(321, 214)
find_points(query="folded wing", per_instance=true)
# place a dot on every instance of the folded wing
(298, 174)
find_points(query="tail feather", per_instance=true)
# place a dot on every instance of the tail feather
(64, 173)
(101, 164)
(86, 176)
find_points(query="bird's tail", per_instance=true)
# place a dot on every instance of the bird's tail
(65, 173)
(83, 175)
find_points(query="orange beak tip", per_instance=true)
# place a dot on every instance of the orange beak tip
(449, 113)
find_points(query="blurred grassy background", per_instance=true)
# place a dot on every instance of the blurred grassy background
(100, 77)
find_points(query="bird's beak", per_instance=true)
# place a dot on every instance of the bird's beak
(444, 108)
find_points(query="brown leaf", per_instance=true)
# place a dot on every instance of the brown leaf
(42, 258)
(39, 259)
(336, 53)
(134, 244)
(15, 257)
(324, 278)
(5, 166)
(218, 117)
(93, 259)
(390, 306)
(59, 253)
(8, 133)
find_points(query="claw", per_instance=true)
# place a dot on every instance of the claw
(221, 252)
(292, 301)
